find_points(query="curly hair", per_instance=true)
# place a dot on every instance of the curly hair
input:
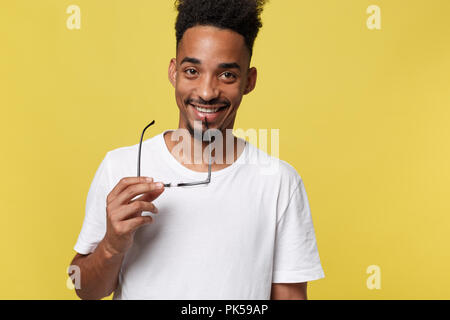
(241, 16)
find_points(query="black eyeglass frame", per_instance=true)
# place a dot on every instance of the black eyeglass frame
(183, 184)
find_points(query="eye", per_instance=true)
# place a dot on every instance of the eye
(190, 71)
(228, 75)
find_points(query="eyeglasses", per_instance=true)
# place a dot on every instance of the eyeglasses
(183, 184)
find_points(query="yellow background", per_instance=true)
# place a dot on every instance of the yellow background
(363, 117)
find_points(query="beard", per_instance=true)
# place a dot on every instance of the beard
(189, 102)
(198, 132)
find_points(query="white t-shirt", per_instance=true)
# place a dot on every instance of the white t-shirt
(251, 226)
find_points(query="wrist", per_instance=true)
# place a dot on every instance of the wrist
(109, 252)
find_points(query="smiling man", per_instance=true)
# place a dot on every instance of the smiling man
(242, 234)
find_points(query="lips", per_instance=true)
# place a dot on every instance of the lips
(210, 112)
(207, 109)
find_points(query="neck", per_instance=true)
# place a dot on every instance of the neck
(193, 152)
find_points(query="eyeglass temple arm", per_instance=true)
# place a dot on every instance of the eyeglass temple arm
(140, 147)
(179, 184)
(208, 180)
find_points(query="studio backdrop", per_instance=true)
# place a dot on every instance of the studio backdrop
(358, 89)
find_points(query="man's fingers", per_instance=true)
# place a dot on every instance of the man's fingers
(133, 209)
(149, 196)
(133, 224)
(134, 190)
(125, 183)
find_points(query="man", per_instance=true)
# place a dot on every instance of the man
(246, 234)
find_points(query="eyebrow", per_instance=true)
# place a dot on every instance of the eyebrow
(224, 65)
(232, 65)
(190, 60)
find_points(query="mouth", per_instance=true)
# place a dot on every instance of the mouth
(211, 113)
(208, 109)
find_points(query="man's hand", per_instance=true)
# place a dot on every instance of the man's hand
(123, 215)
(100, 269)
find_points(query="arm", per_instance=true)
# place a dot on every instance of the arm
(100, 269)
(99, 272)
(289, 291)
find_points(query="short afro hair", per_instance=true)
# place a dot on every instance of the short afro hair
(241, 16)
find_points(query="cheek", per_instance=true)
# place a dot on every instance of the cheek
(234, 94)
(182, 92)
(184, 87)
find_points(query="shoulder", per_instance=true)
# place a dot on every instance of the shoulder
(273, 168)
(277, 177)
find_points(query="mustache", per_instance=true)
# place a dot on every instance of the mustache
(213, 102)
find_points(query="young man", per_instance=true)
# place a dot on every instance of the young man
(246, 234)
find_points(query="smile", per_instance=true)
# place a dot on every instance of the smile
(207, 110)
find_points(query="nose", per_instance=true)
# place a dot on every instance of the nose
(208, 89)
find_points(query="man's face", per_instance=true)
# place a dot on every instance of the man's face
(210, 75)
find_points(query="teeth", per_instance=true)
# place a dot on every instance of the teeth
(206, 110)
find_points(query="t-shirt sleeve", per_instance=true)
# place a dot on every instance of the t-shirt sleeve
(94, 225)
(296, 257)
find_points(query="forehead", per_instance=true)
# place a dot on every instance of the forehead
(213, 45)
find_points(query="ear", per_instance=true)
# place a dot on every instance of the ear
(251, 80)
(173, 72)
